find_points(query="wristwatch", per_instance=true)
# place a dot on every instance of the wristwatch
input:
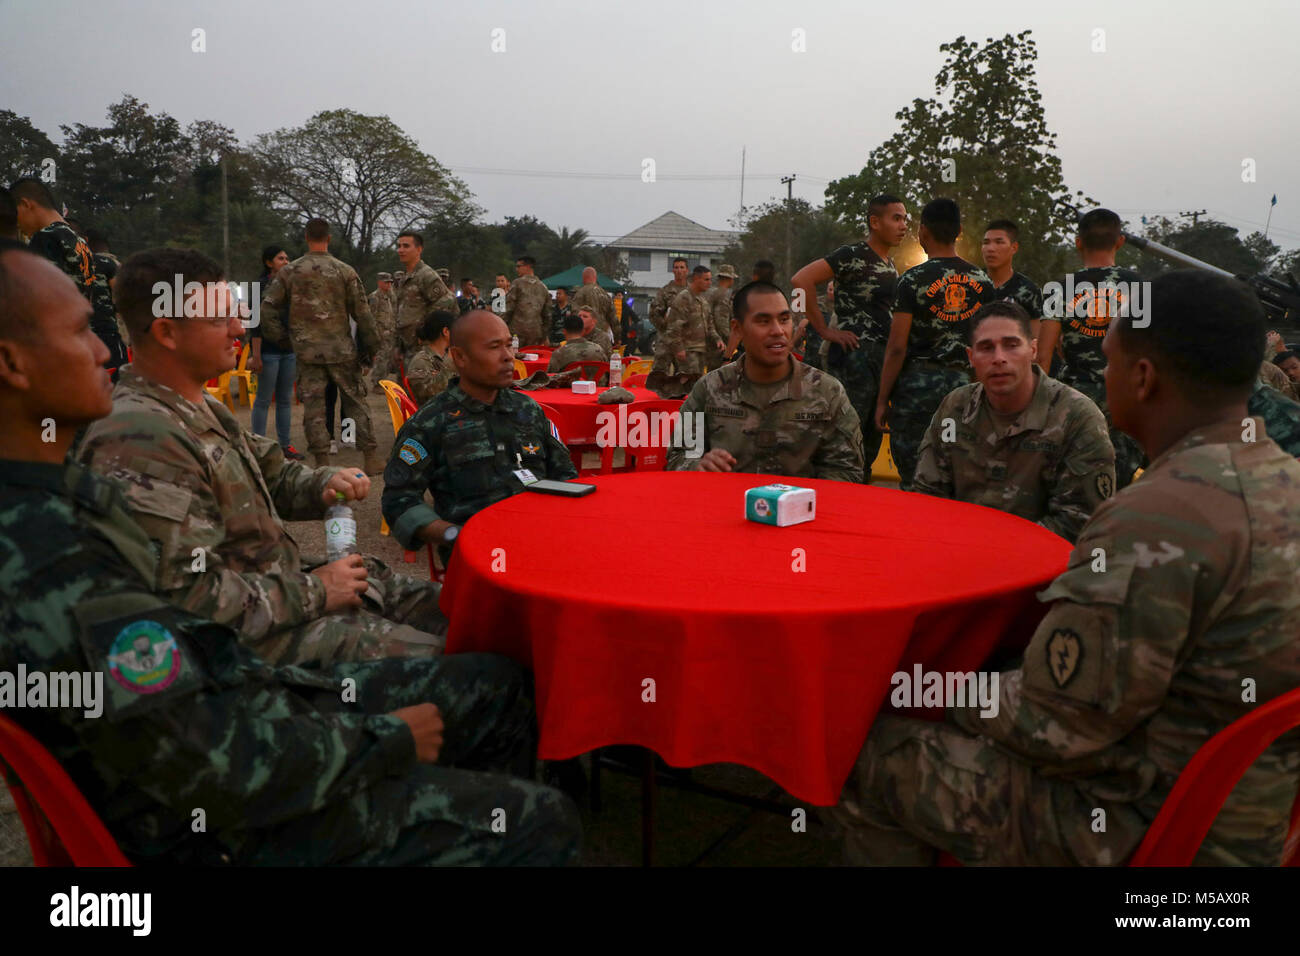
(449, 535)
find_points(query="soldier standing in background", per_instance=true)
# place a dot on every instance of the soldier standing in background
(469, 299)
(998, 249)
(688, 331)
(719, 300)
(558, 315)
(422, 292)
(528, 305)
(663, 358)
(383, 306)
(315, 296)
(601, 304)
(500, 289)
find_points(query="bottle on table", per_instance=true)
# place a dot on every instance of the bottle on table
(615, 370)
(514, 344)
(340, 530)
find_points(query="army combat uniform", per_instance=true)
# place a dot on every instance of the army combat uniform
(428, 374)
(58, 243)
(1280, 414)
(466, 453)
(212, 496)
(1274, 377)
(1051, 463)
(719, 300)
(663, 358)
(422, 292)
(803, 426)
(601, 304)
(528, 310)
(1132, 670)
(940, 295)
(285, 771)
(383, 308)
(1084, 321)
(864, 293)
(576, 350)
(313, 298)
(688, 328)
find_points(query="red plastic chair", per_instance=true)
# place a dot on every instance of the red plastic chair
(592, 370)
(635, 381)
(62, 829)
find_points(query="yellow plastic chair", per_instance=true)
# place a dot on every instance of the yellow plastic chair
(883, 468)
(247, 379)
(391, 392)
(638, 367)
(521, 370)
(221, 391)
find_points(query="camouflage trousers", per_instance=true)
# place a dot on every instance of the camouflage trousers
(920, 787)
(1129, 456)
(694, 364)
(399, 617)
(529, 330)
(663, 359)
(917, 394)
(383, 366)
(346, 376)
(859, 372)
(474, 806)
(812, 348)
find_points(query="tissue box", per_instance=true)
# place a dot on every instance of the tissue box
(584, 388)
(530, 356)
(780, 505)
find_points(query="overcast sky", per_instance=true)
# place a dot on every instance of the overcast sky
(1158, 123)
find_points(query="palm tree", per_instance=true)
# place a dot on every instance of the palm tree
(562, 251)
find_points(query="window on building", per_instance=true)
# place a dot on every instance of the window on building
(638, 261)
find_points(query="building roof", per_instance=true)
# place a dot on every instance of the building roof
(675, 233)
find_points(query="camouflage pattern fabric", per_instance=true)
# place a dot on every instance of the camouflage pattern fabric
(920, 388)
(466, 453)
(428, 374)
(1132, 670)
(383, 306)
(1084, 321)
(62, 246)
(1054, 464)
(528, 310)
(421, 292)
(719, 299)
(1019, 288)
(1281, 417)
(558, 316)
(804, 426)
(575, 350)
(1275, 378)
(285, 771)
(600, 302)
(658, 313)
(859, 371)
(313, 380)
(313, 298)
(212, 497)
(688, 327)
(865, 286)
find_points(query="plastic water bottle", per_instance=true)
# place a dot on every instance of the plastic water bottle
(615, 370)
(340, 530)
(514, 343)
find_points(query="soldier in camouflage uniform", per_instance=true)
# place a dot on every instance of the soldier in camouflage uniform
(213, 497)
(383, 306)
(601, 304)
(420, 293)
(431, 370)
(1080, 323)
(925, 358)
(1041, 452)
(1179, 613)
(1289, 363)
(1275, 378)
(55, 240)
(469, 299)
(1281, 416)
(528, 305)
(767, 412)
(467, 444)
(562, 310)
(688, 328)
(663, 358)
(864, 277)
(999, 247)
(312, 298)
(576, 347)
(719, 302)
(290, 766)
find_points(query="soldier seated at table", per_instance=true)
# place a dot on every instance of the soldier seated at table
(430, 371)
(767, 412)
(409, 769)
(472, 445)
(1015, 439)
(1179, 613)
(214, 497)
(576, 347)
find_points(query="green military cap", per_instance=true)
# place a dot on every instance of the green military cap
(615, 396)
(399, 274)
(385, 277)
(444, 274)
(727, 272)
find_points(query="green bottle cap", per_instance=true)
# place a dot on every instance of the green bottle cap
(340, 496)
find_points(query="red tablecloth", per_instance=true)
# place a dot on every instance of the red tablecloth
(576, 414)
(753, 662)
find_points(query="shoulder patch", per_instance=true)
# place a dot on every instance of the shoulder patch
(1105, 486)
(412, 452)
(144, 657)
(1064, 652)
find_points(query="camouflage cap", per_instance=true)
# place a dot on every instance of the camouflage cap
(399, 274)
(385, 277)
(617, 395)
(726, 271)
(444, 274)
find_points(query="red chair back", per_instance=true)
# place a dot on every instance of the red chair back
(591, 369)
(1198, 795)
(61, 826)
(635, 381)
(656, 457)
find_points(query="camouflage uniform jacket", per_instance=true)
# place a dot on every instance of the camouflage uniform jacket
(1054, 465)
(1274, 377)
(599, 301)
(313, 297)
(210, 726)
(206, 490)
(1020, 289)
(662, 300)
(1281, 417)
(719, 302)
(578, 350)
(864, 291)
(806, 429)
(466, 454)
(383, 309)
(1138, 664)
(1084, 321)
(422, 291)
(940, 295)
(428, 373)
(62, 246)
(529, 301)
(689, 326)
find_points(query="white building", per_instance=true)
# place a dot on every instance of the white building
(650, 250)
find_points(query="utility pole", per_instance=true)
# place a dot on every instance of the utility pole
(741, 215)
(1194, 214)
(225, 220)
(789, 215)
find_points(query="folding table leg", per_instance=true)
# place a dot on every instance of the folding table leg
(648, 808)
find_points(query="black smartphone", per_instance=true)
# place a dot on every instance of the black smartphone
(570, 489)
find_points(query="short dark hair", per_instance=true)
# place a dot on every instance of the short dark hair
(1205, 331)
(1007, 226)
(765, 271)
(877, 205)
(740, 301)
(1002, 309)
(269, 253)
(18, 321)
(413, 236)
(97, 241)
(466, 279)
(133, 289)
(701, 270)
(318, 230)
(573, 321)
(31, 188)
(1099, 229)
(942, 217)
(8, 215)
(526, 260)
(681, 259)
(1284, 356)
(431, 326)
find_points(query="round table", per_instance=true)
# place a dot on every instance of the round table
(576, 415)
(538, 364)
(713, 639)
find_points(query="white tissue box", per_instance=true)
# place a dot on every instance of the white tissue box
(584, 388)
(780, 505)
(530, 356)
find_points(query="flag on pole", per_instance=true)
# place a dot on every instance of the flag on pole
(1274, 202)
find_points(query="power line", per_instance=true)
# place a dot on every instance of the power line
(578, 174)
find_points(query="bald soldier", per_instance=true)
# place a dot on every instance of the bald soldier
(601, 304)
(528, 305)
(663, 358)
(1178, 615)
(1016, 440)
(767, 412)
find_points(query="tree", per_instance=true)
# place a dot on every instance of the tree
(520, 232)
(23, 148)
(561, 250)
(1209, 240)
(814, 233)
(982, 140)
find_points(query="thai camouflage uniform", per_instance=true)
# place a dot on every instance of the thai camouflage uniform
(383, 307)
(940, 295)
(1273, 376)
(285, 771)
(528, 310)
(689, 328)
(558, 317)
(803, 426)
(864, 293)
(428, 374)
(58, 243)
(422, 292)
(1021, 290)
(658, 313)
(466, 453)
(1281, 417)
(1053, 464)
(1084, 322)
(213, 498)
(313, 298)
(1132, 670)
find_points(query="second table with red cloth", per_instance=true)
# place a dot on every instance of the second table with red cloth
(538, 364)
(575, 414)
(753, 661)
